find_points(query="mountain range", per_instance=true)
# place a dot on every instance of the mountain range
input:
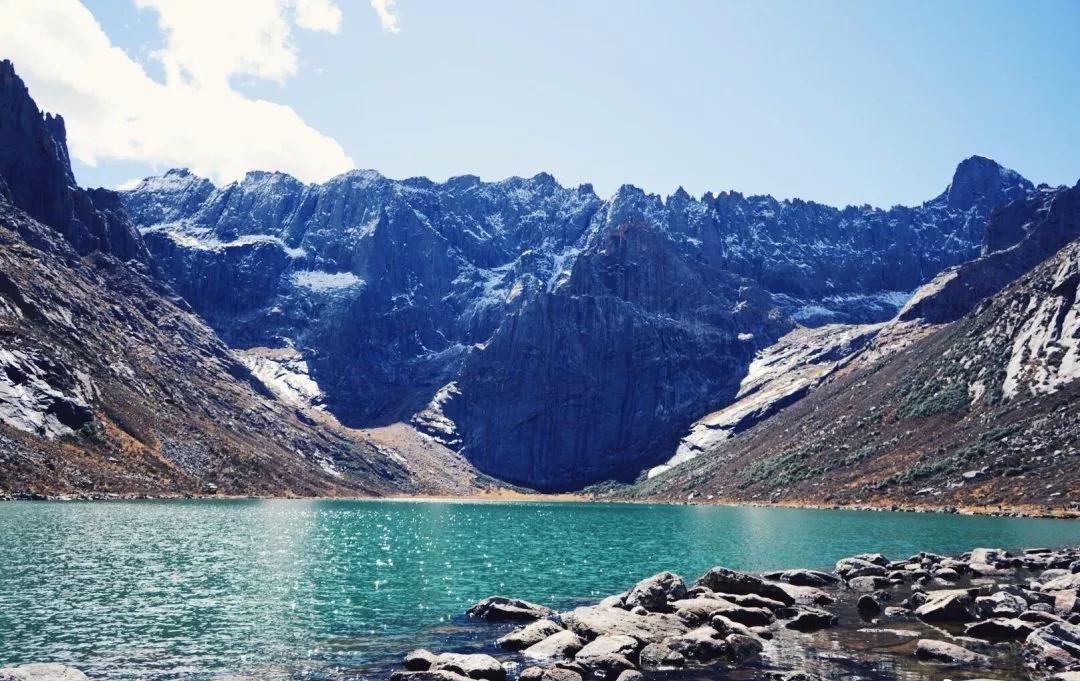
(445, 336)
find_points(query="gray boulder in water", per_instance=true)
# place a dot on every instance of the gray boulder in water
(503, 609)
(723, 580)
(654, 593)
(948, 653)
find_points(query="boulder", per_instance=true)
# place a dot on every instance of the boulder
(419, 660)
(503, 609)
(807, 595)
(548, 674)
(809, 578)
(811, 619)
(559, 646)
(703, 644)
(660, 656)
(742, 647)
(655, 592)
(948, 653)
(845, 566)
(723, 580)
(1066, 601)
(953, 605)
(42, 672)
(868, 583)
(697, 611)
(1000, 629)
(727, 626)
(752, 601)
(990, 556)
(529, 635)
(425, 675)
(1070, 582)
(631, 675)
(608, 654)
(946, 575)
(1053, 647)
(592, 621)
(1000, 604)
(868, 605)
(473, 666)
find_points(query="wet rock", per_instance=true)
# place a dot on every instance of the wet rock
(548, 674)
(1053, 647)
(42, 672)
(419, 660)
(703, 644)
(1068, 582)
(947, 575)
(559, 646)
(846, 566)
(947, 606)
(808, 578)
(811, 619)
(723, 580)
(742, 646)
(655, 592)
(941, 652)
(631, 675)
(868, 605)
(591, 621)
(1000, 629)
(529, 635)
(503, 609)
(658, 656)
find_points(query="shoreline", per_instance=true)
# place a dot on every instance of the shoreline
(1012, 613)
(513, 496)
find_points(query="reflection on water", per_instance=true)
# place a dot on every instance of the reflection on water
(321, 589)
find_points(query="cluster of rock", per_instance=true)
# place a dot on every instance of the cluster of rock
(994, 603)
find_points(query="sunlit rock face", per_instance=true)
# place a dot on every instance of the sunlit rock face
(555, 337)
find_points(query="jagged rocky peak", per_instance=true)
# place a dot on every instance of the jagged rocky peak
(980, 180)
(35, 171)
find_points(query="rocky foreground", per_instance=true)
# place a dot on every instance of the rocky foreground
(987, 614)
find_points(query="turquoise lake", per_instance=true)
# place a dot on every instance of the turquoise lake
(340, 589)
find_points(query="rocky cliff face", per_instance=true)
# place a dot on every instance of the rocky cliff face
(979, 412)
(556, 338)
(36, 177)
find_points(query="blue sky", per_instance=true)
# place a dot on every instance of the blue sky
(839, 102)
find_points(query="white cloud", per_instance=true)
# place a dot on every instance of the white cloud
(115, 111)
(387, 11)
(318, 15)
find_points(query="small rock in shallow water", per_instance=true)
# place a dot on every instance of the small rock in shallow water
(953, 605)
(948, 653)
(659, 656)
(811, 619)
(1055, 646)
(608, 654)
(548, 674)
(703, 644)
(1000, 629)
(503, 609)
(474, 666)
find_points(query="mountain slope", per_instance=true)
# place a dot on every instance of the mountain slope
(110, 384)
(980, 412)
(553, 337)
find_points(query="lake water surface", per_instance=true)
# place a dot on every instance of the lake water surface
(340, 589)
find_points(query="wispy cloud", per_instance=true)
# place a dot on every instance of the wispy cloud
(387, 11)
(194, 118)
